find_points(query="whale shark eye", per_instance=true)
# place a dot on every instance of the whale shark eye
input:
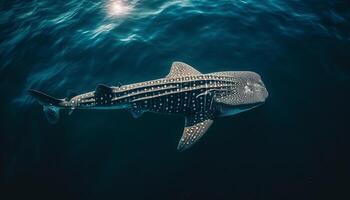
(257, 85)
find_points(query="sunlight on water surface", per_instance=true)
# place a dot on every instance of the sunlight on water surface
(117, 8)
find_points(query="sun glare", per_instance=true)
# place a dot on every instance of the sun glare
(118, 8)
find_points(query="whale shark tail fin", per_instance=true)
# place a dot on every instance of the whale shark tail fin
(52, 114)
(51, 105)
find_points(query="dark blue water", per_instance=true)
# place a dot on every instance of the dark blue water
(292, 147)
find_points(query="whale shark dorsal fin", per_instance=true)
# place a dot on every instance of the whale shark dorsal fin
(195, 127)
(102, 89)
(182, 69)
(103, 94)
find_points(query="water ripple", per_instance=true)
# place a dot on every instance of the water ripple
(83, 42)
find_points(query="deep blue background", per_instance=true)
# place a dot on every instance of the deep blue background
(293, 147)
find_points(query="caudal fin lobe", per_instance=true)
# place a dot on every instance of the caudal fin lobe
(51, 105)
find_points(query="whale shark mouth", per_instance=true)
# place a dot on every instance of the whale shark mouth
(246, 107)
(233, 110)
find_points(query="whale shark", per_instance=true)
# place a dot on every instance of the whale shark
(200, 98)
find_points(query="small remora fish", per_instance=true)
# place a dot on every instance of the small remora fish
(199, 97)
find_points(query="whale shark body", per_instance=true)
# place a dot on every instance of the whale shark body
(201, 98)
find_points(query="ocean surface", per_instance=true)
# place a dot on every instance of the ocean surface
(292, 147)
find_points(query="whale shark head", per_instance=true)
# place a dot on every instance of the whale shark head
(251, 89)
(249, 92)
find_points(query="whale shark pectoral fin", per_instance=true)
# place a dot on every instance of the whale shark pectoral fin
(195, 127)
(137, 113)
(182, 69)
(70, 111)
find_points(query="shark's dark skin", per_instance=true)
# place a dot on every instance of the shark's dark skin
(185, 91)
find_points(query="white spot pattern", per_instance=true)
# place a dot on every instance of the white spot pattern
(184, 91)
